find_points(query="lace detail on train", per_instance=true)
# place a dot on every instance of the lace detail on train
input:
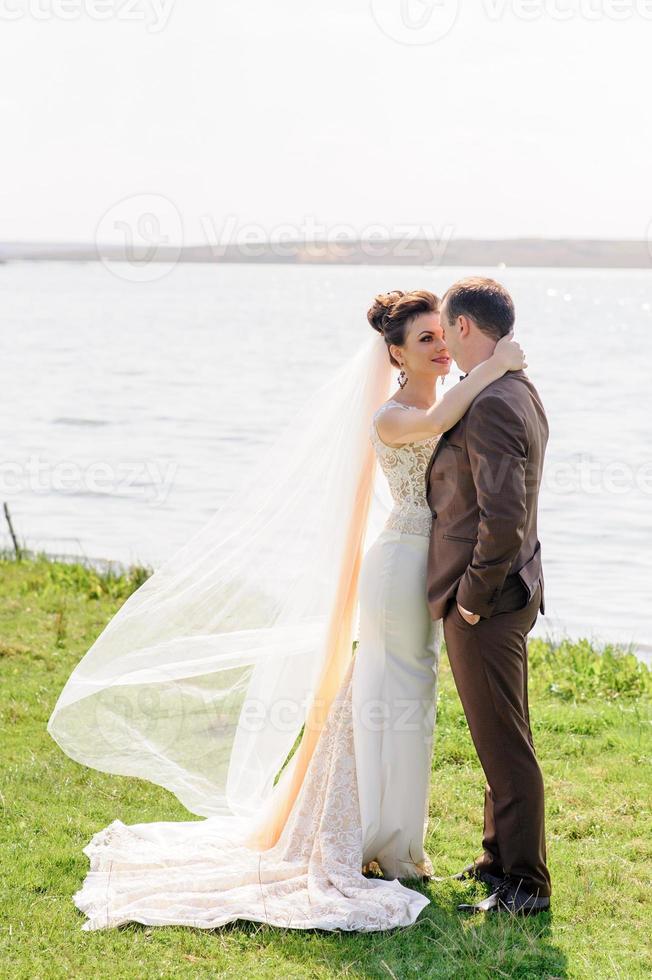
(200, 873)
(405, 469)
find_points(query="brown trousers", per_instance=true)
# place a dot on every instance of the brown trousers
(489, 665)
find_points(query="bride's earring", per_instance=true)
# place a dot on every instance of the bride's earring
(402, 378)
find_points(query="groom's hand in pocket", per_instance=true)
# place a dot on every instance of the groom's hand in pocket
(468, 617)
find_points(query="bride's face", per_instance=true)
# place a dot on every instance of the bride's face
(425, 351)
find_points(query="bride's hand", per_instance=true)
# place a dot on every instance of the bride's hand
(509, 353)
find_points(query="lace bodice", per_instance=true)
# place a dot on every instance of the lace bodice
(405, 469)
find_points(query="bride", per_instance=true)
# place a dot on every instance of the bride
(229, 677)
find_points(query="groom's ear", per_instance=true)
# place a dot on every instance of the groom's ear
(464, 324)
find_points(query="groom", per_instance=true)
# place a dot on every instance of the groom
(485, 581)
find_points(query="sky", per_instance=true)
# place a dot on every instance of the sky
(464, 118)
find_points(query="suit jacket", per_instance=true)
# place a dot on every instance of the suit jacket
(482, 486)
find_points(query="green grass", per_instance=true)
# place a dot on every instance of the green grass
(592, 726)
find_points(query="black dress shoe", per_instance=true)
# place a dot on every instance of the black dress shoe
(477, 872)
(512, 898)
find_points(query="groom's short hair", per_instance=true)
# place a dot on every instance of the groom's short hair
(483, 300)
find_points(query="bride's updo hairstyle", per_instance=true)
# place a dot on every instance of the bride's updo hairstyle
(392, 312)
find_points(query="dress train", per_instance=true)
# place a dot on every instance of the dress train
(200, 874)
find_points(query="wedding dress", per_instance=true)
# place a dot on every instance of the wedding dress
(364, 797)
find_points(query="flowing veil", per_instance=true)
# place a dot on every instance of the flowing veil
(204, 678)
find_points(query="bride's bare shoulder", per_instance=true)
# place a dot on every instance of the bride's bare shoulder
(389, 410)
(396, 424)
(390, 403)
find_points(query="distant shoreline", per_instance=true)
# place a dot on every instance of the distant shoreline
(501, 253)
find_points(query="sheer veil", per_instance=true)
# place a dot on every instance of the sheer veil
(204, 678)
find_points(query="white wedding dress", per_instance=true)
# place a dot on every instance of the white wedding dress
(364, 797)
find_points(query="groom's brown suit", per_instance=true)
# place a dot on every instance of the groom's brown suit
(482, 486)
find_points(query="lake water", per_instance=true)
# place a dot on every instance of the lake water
(131, 409)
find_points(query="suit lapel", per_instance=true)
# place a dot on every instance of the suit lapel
(510, 374)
